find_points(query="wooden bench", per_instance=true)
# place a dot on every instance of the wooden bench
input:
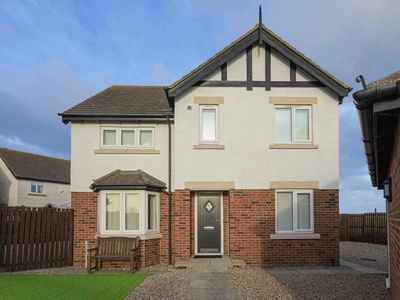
(114, 248)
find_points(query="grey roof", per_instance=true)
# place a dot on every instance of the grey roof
(385, 80)
(127, 179)
(123, 100)
(25, 165)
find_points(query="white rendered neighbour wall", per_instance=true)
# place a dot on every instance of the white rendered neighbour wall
(54, 193)
(8, 185)
(86, 165)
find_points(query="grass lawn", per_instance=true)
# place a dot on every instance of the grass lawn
(68, 286)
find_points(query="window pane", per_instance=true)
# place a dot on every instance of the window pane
(284, 209)
(127, 137)
(40, 189)
(302, 125)
(109, 137)
(33, 186)
(132, 211)
(153, 212)
(303, 211)
(146, 138)
(209, 123)
(112, 211)
(283, 125)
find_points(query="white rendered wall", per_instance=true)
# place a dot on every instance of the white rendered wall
(86, 166)
(246, 129)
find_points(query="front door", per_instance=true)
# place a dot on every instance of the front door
(209, 223)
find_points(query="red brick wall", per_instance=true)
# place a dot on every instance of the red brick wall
(181, 216)
(252, 221)
(246, 231)
(394, 217)
(85, 224)
(164, 243)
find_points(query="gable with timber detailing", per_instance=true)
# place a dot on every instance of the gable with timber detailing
(246, 63)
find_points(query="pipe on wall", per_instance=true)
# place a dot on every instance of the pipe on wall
(169, 193)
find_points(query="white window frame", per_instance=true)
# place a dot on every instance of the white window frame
(36, 185)
(294, 199)
(202, 107)
(293, 109)
(143, 212)
(147, 213)
(119, 130)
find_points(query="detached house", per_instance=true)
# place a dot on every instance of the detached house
(239, 157)
(33, 180)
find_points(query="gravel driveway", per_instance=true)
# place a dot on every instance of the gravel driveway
(369, 255)
(254, 283)
(170, 284)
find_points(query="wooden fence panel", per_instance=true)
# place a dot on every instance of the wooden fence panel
(368, 228)
(34, 238)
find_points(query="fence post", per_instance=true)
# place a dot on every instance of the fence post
(363, 227)
(376, 227)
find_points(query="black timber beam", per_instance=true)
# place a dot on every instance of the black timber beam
(292, 72)
(249, 67)
(277, 84)
(267, 67)
(224, 73)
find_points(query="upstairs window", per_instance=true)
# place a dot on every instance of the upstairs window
(209, 123)
(37, 187)
(292, 124)
(127, 137)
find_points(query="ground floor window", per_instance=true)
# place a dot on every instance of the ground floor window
(294, 211)
(129, 212)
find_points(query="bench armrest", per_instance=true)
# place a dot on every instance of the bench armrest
(92, 249)
(134, 249)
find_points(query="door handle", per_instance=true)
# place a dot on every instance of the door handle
(217, 220)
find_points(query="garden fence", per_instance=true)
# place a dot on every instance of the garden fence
(35, 238)
(368, 228)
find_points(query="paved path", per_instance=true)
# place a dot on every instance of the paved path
(210, 279)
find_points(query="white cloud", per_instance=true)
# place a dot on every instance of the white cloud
(16, 143)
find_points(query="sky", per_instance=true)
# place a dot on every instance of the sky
(55, 54)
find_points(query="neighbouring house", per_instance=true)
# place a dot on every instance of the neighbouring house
(239, 157)
(378, 107)
(33, 180)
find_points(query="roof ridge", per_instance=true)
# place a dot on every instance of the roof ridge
(143, 176)
(34, 154)
(107, 175)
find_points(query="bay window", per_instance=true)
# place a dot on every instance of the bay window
(293, 124)
(128, 212)
(294, 212)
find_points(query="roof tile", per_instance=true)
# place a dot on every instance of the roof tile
(25, 165)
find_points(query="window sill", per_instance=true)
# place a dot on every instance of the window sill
(293, 146)
(143, 237)
(310, 236)
(208, 147)
(126, 151)
(37, 195)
